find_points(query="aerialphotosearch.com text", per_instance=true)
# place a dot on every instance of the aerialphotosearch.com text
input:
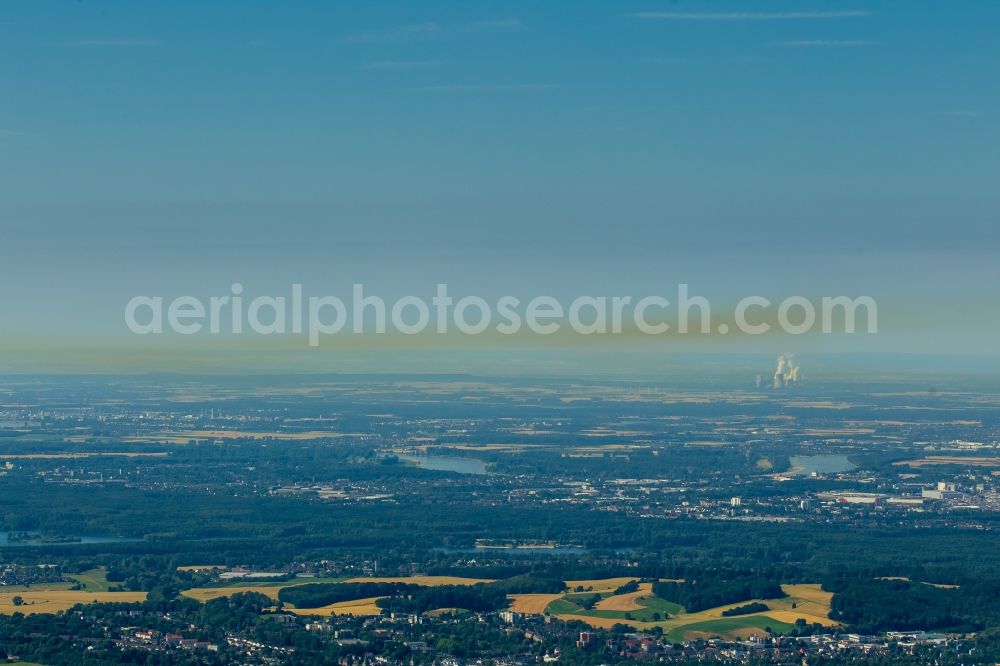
(364, 313)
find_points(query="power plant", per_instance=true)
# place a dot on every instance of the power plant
(787, 371)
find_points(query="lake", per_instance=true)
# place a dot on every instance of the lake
(448, 463)
(821, 464)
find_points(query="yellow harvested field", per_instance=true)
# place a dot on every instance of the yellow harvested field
(599, 584)
(356, 607)
(156, 439)
(790, 616)
(532, 604)
(53, 601)
(738, 634)
(970, 461)
(811, 604)
(601, 622)
(204, 594)
(271, 590)
(812, 592)
(625, 602)
(429, 581)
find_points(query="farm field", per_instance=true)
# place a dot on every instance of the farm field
(271, 588)
(532, 604)
(599, 584)
(729, 627)
(267, 588)
(625, 602)
(95, 580)
(429, 581)
(354, 607)
(970, 461)
(637, 609)
(648, 608)
(204, 594)
(53, 601)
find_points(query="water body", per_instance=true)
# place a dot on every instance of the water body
(5, 541)
(448, 464)
(821, 464)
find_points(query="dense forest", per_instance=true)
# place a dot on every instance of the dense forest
(316, 595)
(717, 588)
(479, 598)
(878, 605)
(194, 526)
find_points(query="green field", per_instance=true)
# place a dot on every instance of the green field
(806, 601)
(94, 580)
(728, 626)
(650, 605)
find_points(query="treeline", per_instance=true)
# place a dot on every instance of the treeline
(316, 595)
(628, 588)
(478, 598)
(531, 583)
(755, 607)
(586, 601)
(718, 588)
(871, 606)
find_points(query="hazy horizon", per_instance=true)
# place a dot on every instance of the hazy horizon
(515, 148)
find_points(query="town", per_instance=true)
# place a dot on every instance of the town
(680, 518)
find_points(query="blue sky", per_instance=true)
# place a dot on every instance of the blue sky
(566, 148)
